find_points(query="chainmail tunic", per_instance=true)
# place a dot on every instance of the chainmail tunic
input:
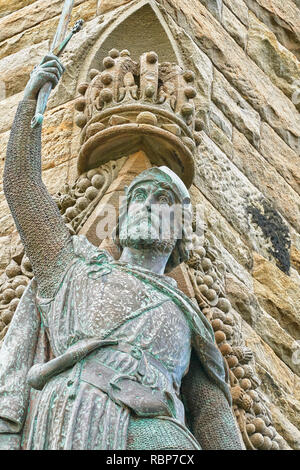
(46, 238)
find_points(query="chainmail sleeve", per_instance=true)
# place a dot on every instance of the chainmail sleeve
(209, 415)
(45, 237)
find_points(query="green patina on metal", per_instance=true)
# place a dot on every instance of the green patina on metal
(102, 354)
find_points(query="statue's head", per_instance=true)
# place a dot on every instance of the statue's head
(156, 215)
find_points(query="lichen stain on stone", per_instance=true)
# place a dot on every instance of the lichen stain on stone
(275, 231)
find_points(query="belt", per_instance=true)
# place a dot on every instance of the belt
(126, 390)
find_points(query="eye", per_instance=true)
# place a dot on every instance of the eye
(164, 199)
(139, 196)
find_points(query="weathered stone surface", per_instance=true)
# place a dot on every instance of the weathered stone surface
(9, 6)
(106, 5)
(8, 108)
(230, 192)
(279, 383)
(238, 111)
(30, 16)
(54, 178)
(243, 74)
(295, 258)
(220, 139)
(56, 135)
(275, 60)
(234, 27)
(243, 299)
(86, 9)
(239, 8)
(277, 294)
(215, 7)
(5, 251)
(219, 226)
(282, 17)
(221, 120)
(281, 156)
(197, 61)
(15, 69)
(285, 428)
(266, 179)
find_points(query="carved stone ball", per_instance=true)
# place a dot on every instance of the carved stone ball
(80, 104)
(245, 383)
(208, 280)
(13, 269)
(239, 372)
(106, 95)
(152, 57)
(189, 76)
(97, 181)
(275, 445)
(260, 425)
(106, 78)
(217, 324)
(19, 281)
(19, 291)
(211, 295)
(198, 125)
(83, 184)
(187, 109)
(201, 251)
(108, 62)
(8, 295)
(229, 320)
(147, 118)
(232, 361)
(92, 173)
(6, 316)
(81, 120)
(190, 92)
(257, 440)
(267, 445)
(13, 304)
(224, 305)
(82, 88)
(206, 264)
(250, 428)
(91, 193)
(226, 349)
(125, 53)
(114, 53)
(72, 212)
(220, 337)
(93, 73)
(82, 203)
(203, 289)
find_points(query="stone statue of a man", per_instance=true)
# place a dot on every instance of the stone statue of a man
(105, 354)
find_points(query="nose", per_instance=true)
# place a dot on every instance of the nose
(148, 202)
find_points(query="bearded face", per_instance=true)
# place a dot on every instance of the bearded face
(151, 221)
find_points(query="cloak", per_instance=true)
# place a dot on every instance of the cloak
(26, 343)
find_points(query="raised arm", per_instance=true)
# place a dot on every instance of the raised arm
(46, 238)
(211, 419)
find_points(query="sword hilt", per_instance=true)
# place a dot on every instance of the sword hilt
(45, 91)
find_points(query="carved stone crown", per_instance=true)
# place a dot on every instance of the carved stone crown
(132, 106)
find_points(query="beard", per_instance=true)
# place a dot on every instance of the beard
(141, 233)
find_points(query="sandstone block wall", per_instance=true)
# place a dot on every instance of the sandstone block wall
(245, 54)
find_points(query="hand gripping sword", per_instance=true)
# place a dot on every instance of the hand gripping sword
(59, 43)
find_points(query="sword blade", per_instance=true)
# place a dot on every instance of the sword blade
(63, 23)
(58, 38)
